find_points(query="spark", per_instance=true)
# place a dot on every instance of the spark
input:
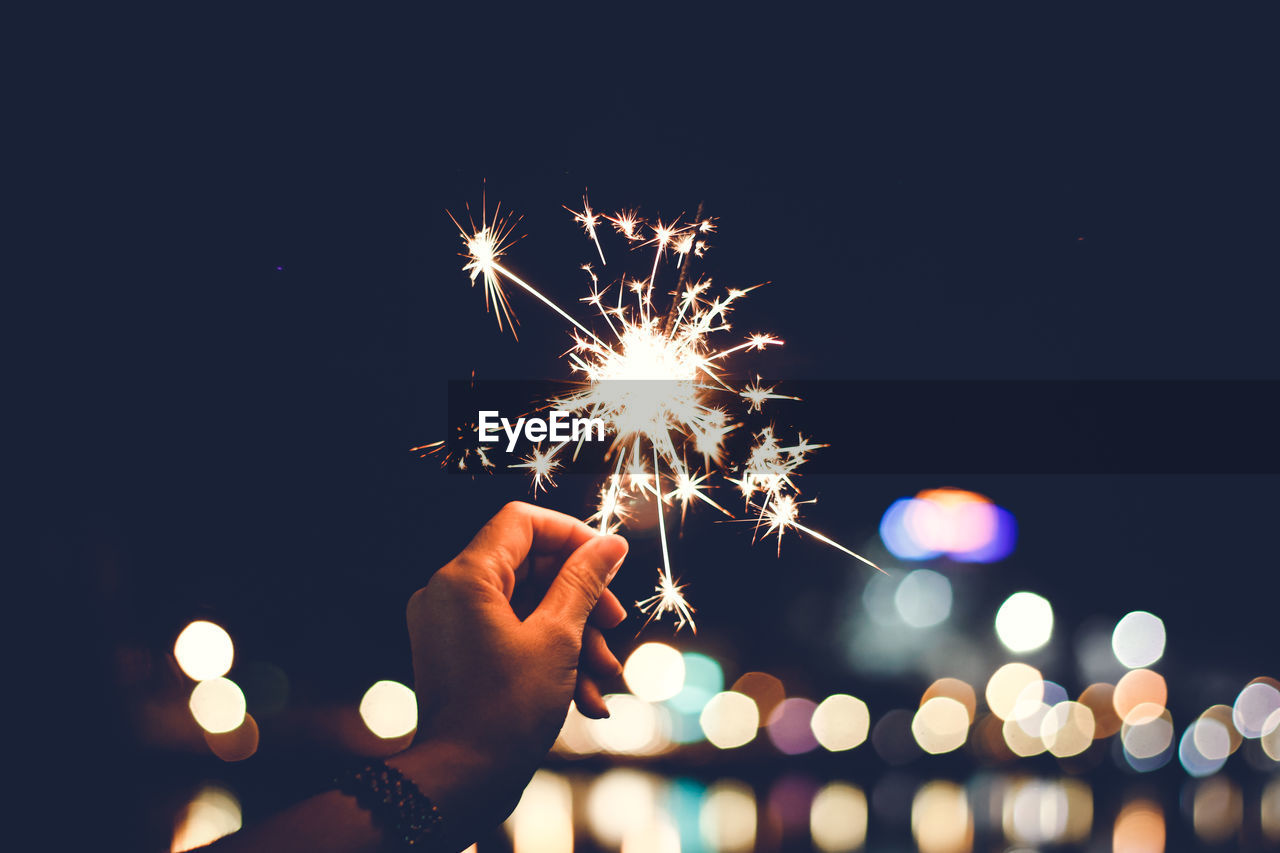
(626, 222)
(756, 395)
(656, 382)
(588, 219)
(541, 465)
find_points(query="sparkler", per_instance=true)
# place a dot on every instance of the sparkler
(655, 384)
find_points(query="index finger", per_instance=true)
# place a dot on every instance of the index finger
(518, 531)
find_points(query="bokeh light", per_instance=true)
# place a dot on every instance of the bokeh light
(1253, 706)
(1138, 639)
(892, 739)
(1139, 828)
(1046, 812)
(730, 720)
(389, 709)
(897, 536)
(838, 818)
(204, 650)
(941, 725)
(790, 727)
(1217, 810)
(941, 820)
(703, 678)
(1204, 747)
(727, 818)
(962, 524)
(1024, 622)
(543, 820)
(1009, 685)
(1221, 714)
(1270, 739)
(764, 689)
(1067, 729)
(218, 705)
(575, 736)
(633, 727)
(1270, 808)
(654, 672)
(841, 722)
(1023, 741)
(923, 598)
(236, 745)
(1148, 738)
(1100, 700)
(954, 688)
(214, 812)
(1142, 691)
(620, 803)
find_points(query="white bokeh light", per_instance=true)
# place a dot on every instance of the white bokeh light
(1138, 639)
(1024, 622)
(923, 598)
(654, 672)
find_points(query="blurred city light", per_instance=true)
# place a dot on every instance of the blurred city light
(941, 725)
(204, 650)
(941, 820)
(1024, 622)
(962, 524)
(763, 689)
(217, 705)
(1139, 828)
(790, 727)
(1100, 700)
(1257, 702)
(954, 688)
(633, 727)
(703, 678)
(730, 720)
(389, 709)
(1067, 729)
(1204, 747)
(1142, 691)
(575, 735)
(923, 598)
(214, 812)
(1011, 684)
(620, 803)
(838, 818)
(1217, 810)
(543, 820)
(236, 745)
(1138, 639)
(841, 722)
(727, 819)
(654, 672)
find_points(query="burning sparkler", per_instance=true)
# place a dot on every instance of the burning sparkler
(655, 383)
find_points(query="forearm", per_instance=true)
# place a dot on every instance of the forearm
(333, 822)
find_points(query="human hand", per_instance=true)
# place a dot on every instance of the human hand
(503, 636)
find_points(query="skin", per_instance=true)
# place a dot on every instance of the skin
(503, 636)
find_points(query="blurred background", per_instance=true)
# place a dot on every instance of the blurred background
(259, 303)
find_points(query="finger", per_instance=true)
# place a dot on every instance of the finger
(597, 658)
(586, 695)
(580, 582)
(608, 612)
(518, 530)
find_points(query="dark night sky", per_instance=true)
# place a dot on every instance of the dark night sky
(258, 294)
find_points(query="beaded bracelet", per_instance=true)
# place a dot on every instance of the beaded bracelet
(394, 800)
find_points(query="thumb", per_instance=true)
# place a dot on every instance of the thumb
(582, 579)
